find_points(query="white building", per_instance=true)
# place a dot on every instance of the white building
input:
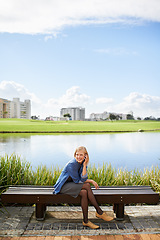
(16, 109)
(106, 116)
(20, 109)
(99, 116)
(77, 113)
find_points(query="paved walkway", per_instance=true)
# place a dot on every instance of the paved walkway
(66, 223)
(97, 237)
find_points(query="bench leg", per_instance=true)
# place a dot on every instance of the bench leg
(40, 211)
(119, 210)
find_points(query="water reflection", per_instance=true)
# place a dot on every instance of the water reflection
(127, 150)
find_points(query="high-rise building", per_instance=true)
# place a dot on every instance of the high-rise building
(4, 108)
(15, 108)
(77, 113)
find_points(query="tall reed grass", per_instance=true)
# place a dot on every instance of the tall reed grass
(15, 171)
(109, 176)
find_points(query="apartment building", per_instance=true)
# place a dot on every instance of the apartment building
(15, 108)
(4, 108)
(77, 113)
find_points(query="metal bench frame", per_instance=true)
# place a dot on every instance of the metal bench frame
(116, 195)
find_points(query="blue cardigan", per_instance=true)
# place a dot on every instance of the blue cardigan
(72, 169)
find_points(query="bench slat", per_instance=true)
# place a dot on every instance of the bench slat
(102, 190)
(96, 192)
(131, 194)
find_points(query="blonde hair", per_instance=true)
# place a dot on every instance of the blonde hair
(81, 148)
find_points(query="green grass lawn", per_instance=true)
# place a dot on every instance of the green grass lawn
(22, 125)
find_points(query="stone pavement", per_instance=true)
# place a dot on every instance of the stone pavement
(67, 221)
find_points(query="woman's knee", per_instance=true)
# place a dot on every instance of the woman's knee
(87, 186)
(83, 193)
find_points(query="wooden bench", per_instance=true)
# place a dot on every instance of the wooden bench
(116, 195)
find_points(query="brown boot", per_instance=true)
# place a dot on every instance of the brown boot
(90, 224)
(104, 216)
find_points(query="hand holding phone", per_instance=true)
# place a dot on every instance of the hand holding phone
(85, 160)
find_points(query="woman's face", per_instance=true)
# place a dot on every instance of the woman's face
(79, 156)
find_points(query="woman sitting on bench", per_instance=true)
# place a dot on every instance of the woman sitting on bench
(74, 181)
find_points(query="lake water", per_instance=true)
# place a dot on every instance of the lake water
(126, 150)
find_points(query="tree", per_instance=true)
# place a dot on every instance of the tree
(112, 116)
(150, 118)
(34, 117)
(118, 117)
(5, 114)
(67, 115)
(23, 112)
(130, 117)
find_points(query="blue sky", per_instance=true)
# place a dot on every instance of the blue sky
(102, 55)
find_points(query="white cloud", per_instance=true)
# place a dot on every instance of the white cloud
(11, 89)
(72, 98)
(47, 38)
(142, 105)
(48, 16)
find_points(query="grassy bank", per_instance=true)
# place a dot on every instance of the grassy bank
(15, 171)
(32, 126)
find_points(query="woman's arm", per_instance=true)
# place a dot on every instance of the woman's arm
(84, 171)
(95, 184)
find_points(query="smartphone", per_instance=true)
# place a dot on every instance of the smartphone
(84, 158)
